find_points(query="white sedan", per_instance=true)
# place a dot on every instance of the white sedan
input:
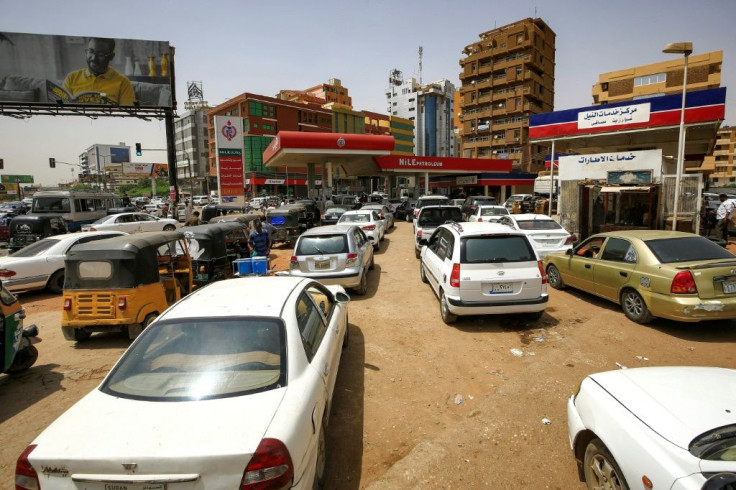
(132, 223)
(654, 427)
(545, 234)
(488, 212)
(229, 388)
(40, 265)
(369, 221)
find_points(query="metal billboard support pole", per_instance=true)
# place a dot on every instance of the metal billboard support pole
(171, 158)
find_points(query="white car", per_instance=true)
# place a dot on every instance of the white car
(654, 427)
(546, 234)
(229, 388)
(369, 221)
(200, 200)
(483, 269)
(488, 212)
(40, 265)
(132, 223)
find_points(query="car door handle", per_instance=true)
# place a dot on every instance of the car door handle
(326, 370)
(623, 274)
(587, 266)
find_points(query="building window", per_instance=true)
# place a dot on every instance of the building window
(650, 79)
(604, 86)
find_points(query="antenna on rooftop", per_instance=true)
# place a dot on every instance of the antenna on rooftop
(421, 50)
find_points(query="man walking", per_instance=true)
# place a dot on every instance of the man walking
(259, 241)
(724, 215)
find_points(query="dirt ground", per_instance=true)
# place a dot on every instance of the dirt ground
(418, 404)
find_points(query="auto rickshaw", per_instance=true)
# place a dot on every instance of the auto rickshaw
(123, 283)
(288, 221)
(211, 210)
(238, 239)
(17, 352)
(211, 251)
(29, 228)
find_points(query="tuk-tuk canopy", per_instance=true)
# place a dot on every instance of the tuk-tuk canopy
(209, 241)
(211, 210)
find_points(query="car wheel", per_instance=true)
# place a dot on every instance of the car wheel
(447, 317)
(417, 253)
(553, 277)
(169, 228)
(634, 307)
(81, 334)
(422, 274)
(363, 288)
(601, 470)
(320, 471)
(56, 282)
(24, 359)
(148, 320)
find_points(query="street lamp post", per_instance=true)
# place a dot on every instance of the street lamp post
(684, 48)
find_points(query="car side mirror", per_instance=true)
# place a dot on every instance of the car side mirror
(568, 251)
(342, 297)
(423, 241)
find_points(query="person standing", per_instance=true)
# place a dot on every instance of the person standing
(259, 241)
(99, 77)
(724, 215)
(193, 220)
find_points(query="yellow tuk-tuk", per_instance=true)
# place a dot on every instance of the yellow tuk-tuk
(123, 283)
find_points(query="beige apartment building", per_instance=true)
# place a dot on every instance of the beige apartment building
(665, 78)
(720, 164)
(506, 76)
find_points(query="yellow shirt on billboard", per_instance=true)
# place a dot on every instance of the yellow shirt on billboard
(115, 86)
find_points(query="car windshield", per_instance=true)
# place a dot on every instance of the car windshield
(538, 224)
(716, 445)
(324, 244)
(686, 249)
(195, 359)
(496, 248)
(35, 249)
(51, 205)
(436, 217)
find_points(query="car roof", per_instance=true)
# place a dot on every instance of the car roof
(358, 211)
(437, 206)
(433, 196)
(246, 296)
(343, 229)
(531, 216)
(645, 235)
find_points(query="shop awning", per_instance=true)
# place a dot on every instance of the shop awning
(619, 189)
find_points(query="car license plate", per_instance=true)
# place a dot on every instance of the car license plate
(135, 486)
(501, 287)
(322, 265)
(729, 287)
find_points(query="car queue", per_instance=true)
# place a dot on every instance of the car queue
(473, 268)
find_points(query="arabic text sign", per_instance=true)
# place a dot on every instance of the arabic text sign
(14, 179)
(597, 166)
(614, 116)
(232, 181)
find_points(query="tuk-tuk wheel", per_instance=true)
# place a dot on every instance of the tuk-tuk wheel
(149, 319)
(24, 359)
(76, 334)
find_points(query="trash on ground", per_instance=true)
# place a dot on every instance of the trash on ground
(516, 352)
(546, 421)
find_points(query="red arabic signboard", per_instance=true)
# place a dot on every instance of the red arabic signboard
(232, 181)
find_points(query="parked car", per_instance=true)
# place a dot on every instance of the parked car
(5, 218)
(334, 255)
(200, 200)
(483, 269)
(488, 212)
(429, 218)
(430, 200)
(393, 203)
(29, 228)
(132, 223)
(348, 202)
(526, 202)
(457, 202)
(405, 210)
(654, 427)
(17, 207)
(471, 203)
(545, 234)
(651, 273)
(40, 265)
(369, 221)
(331, 215)
(265, 347)
(383, 211)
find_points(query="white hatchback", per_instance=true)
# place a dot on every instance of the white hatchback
(488, 212)
(369, 221)
(545, 234)
(483, 269)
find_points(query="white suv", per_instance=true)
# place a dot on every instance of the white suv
(483, 269)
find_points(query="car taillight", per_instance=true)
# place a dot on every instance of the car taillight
(26, 477)
(92, 228)
(480, 220)
(455, 276)
(6, 273)
(352, 259)
(202, 269)
(293, 262)
(270, 467)
(122, 302)
(542, 271)
(67, 304)
(419, 234)
(323, 216)
(568, 240)
(369, 227)
(683, 283)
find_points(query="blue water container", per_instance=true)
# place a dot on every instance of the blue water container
(243, 267)
(260, 265)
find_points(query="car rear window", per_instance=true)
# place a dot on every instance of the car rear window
(202, 358)
(323, 244)
(436, 217)
(496, 248)
(494, 212)
(538, 224)
(670, 250)
(432, 202)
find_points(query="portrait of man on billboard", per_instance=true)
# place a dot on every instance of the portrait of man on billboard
(99, 82)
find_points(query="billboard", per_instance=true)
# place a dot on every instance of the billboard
(145, 169)
(58, 70)
(119, 154)
(230, 165)
(15, 179)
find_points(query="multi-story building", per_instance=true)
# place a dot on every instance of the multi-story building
(662, 78)
(192, 149)
(430, 107)
(720, 164)
(96, 159)
(332, 91)
(506, 76)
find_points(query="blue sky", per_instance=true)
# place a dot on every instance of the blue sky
(262, 47)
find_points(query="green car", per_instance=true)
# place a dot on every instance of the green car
(651, 273)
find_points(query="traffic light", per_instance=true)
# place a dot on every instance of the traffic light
(138, 150)
(52, 162)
